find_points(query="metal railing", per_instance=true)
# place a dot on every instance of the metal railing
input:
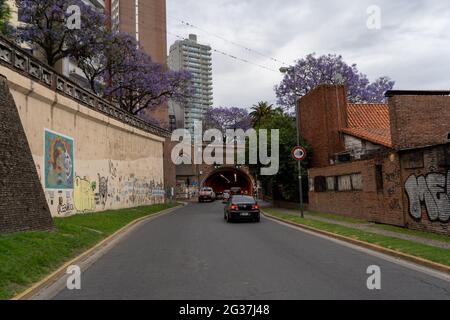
(19, 60)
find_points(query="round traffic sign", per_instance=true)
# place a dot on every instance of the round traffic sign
(299, 153)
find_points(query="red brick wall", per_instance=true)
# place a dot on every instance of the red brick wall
(422, 170)
(384, 206)
(322, 113)
(419, 121)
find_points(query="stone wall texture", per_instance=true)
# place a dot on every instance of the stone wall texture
(22, 199)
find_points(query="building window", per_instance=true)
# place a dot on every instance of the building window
(320, 184)
(311, 185)
(379, 177)
(413, 160)
(345, 183)
(331, 183)
(357, 183)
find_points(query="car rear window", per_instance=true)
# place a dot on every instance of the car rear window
(242, 199)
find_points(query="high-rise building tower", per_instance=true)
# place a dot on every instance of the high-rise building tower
(194, 57)
(145, 20)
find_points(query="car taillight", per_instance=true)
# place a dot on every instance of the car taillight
(233, 207)
(255, 207)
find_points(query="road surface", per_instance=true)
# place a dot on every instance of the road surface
(194, 254)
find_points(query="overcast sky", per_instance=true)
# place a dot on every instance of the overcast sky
(412, 46)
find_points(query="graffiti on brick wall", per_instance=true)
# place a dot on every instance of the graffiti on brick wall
(58, 161)
(432, 191)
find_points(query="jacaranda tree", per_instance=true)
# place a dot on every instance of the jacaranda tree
(113, 63)
(329, 69)
(5, 15)
(227, 118)
(59, 28)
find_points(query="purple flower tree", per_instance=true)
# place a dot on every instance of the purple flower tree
(47, 27)
(138, 84)
(329, 69)
(227, 118)
(114, 65)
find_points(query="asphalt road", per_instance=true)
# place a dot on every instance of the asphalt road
(194, 254)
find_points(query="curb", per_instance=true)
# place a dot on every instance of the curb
(61, 271)
(420, 261)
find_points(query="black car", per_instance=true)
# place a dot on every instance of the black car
(242, 208)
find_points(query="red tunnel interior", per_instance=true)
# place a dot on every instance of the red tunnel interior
(225, 179)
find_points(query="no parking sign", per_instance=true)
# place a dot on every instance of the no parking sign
(299, 153)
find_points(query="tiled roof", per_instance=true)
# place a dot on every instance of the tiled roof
(369, 122)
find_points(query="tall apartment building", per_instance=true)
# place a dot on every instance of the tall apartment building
(144, 19)
(194, 57)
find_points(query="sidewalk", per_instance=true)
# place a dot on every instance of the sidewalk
(404, 234)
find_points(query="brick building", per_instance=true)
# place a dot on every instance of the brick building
(387, 163)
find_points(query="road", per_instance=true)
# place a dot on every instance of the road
(194, 254)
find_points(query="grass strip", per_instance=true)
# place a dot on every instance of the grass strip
(27, 257)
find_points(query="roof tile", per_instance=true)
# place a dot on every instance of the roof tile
(369, 122)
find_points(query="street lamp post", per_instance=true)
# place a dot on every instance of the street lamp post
(300, 179)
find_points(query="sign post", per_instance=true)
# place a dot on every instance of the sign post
(299, 154)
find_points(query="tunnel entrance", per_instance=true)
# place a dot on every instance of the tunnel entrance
(226, 178)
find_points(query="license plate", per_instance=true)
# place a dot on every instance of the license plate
(245, 214)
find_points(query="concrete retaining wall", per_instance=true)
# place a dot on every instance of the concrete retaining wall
(86, 161)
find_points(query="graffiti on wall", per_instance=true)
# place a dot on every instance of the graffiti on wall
(84, 194)
(102, 190)
(58, 162)
(108, 192)
(431, 190)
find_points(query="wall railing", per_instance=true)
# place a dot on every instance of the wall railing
(19, 60)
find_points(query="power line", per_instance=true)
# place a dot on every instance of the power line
(233, 43)
(229, 55)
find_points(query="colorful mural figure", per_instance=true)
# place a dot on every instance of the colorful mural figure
(59, 161)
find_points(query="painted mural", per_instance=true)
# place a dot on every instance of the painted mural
(58, 161)
(431, 190)
(84, 195)
(82, 189)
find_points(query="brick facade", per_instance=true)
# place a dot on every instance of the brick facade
(383, 205)
(418, 121)
(426, 178)
(23, 206)
(322, 114)
(405, 182)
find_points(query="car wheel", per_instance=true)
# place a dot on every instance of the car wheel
(229, 219)
(257, 220)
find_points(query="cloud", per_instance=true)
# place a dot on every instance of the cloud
(412, 47)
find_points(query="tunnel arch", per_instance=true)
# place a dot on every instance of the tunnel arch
(228, 177)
